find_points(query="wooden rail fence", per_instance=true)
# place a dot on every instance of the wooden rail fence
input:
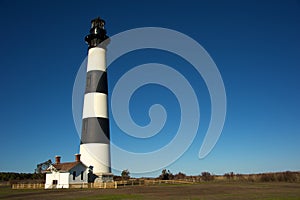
(81, 185)
(114, 184)
(28, 186)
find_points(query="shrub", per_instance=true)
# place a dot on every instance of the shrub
(229, 176)
(267, 177)
(179, 176)
(287, 176)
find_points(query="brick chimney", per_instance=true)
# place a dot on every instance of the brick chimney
(57, 159)
(77, 157)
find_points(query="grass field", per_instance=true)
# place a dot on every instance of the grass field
(210, 190)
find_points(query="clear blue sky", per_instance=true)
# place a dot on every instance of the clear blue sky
(255, 44)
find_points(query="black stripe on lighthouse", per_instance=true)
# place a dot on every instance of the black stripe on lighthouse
(95, 130)
(96, 81)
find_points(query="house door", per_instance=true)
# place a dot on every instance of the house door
(54, 184)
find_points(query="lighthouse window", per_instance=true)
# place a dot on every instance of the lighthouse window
(74, 175)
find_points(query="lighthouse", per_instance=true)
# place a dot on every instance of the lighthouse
(95, 136)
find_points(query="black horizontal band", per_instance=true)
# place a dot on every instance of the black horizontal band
(95, 130)
(96, 81)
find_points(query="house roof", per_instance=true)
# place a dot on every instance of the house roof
(66, 166)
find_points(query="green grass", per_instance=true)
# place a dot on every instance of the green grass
(4, 190)
(110, 197)
(202, 191)
(8, 190)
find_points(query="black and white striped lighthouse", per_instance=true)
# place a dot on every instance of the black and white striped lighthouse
(95, 138)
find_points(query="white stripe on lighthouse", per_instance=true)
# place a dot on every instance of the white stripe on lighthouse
(95, 105)
(99, 159)
(96, 59)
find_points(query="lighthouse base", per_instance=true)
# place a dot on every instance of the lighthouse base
(104, 178)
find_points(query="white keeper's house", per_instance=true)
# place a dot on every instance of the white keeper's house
(64, 175)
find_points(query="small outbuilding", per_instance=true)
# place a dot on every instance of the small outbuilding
(66, 175)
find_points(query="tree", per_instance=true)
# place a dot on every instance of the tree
(206, 176)
(125, 174)
(40, 168)
(166, 175)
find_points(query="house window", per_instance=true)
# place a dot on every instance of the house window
(81, 175)
(54, 182)
(74, 175)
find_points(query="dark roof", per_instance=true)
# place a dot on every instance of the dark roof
(66, 166)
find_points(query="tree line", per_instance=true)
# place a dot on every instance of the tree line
(286, 176)
(12, 176)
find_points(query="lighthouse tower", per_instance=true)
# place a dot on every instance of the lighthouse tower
(95, 138)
